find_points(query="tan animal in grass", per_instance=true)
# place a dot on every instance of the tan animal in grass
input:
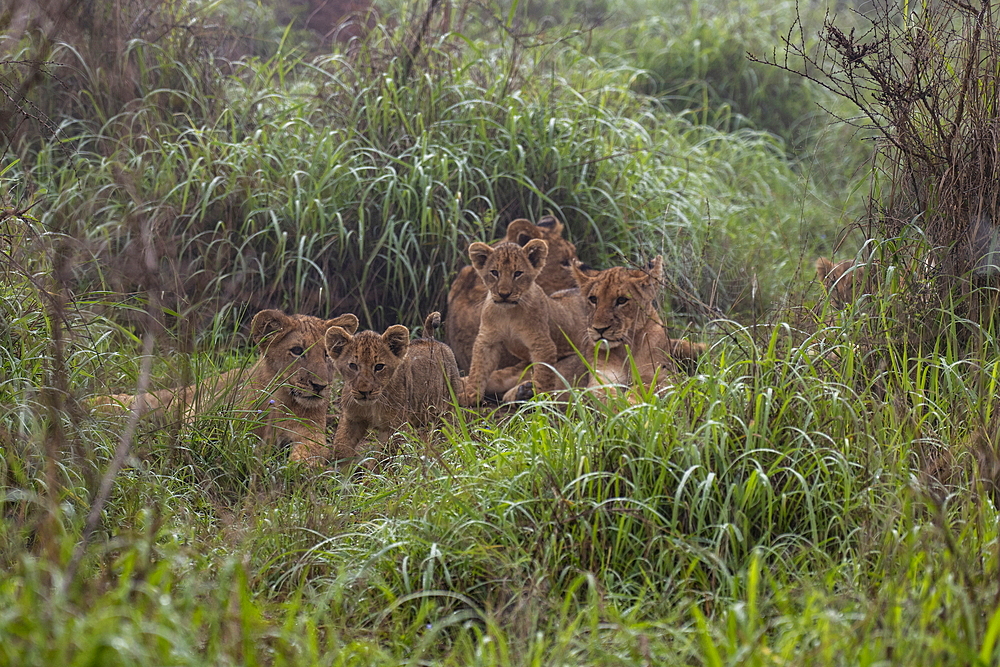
(288, 388)
(520, 318)
(843, 280)
(622, 320)
(465, 299)
(389, 381)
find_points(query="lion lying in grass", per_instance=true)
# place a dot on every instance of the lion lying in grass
(288, 386)
(622, 320)
(389, 381)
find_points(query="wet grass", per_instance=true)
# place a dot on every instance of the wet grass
(821, 490)
(795, 499)
(325, 184)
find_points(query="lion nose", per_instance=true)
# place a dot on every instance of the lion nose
(503, 295)
(600, 330)
(318, 388)
(364, 394)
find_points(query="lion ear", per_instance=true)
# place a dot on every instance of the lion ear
(536, 251)
(824, 267)
(650, 279)
(267, 323)
(397, 337)
(479, 253)
(552, 225)
(348, 321)
(521, 231)
(582, 279)
(337, 338)
(655, 269)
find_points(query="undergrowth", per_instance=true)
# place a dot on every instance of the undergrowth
(775, 503)
(314, 183)
(820, 490)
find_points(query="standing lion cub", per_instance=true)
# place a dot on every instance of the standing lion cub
(519, 317)
(389, 381)
(467, 293)
(288, 387)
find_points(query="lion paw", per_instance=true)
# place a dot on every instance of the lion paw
(521, 393)
(468, 399)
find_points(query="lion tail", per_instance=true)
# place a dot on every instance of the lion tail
(685, 349)
(431, 322)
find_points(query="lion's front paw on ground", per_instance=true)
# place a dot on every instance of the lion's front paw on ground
(468, 399)
(522, 392)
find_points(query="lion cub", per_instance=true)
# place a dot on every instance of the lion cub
(467, 293)
(388, 381)
(517, 316)
(288, 387)
(843, 281)
(622, 320)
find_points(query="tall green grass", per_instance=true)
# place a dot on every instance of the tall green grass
(327, 184)
(802, 497)
(818, 492)
(694, 56)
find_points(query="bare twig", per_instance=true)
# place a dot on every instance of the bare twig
(149, 262)
(121, 455)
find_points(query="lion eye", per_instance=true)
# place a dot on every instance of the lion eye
(495, 273)
(297, 351)
(621, 301)
(518, 274)
(379, 367)
(593, 300)
(353, 366)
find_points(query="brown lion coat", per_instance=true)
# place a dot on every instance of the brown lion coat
(520, 318)
(842, 280)
(467, 294)
(287, 389)
(389, 381)
(622, 320)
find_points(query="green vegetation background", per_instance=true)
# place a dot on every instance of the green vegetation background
(806, 497)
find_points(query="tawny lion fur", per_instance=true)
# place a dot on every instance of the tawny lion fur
(288, 388)
(622, 320)
(389, 381)
(465, 299)
(520, 318)
(842, 280)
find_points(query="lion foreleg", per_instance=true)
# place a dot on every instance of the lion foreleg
(543, 356)
(485, 355)
(503, 379)
(350, 433)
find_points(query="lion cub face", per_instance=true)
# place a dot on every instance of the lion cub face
(618, 300)
(293, 353)
(367, 361)
(509, 270)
